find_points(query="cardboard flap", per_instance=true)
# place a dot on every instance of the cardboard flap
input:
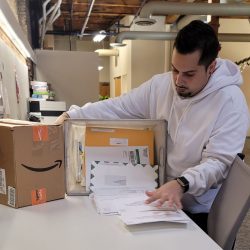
(13, 122)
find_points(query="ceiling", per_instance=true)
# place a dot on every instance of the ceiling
(77, 19)
(105, 15)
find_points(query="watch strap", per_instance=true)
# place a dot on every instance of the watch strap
(183, 182)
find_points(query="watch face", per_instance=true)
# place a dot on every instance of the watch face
(183, 180)
(184, 183)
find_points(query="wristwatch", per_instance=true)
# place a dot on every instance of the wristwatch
(183, 182)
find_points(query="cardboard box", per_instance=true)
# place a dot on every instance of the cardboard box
(31, 163)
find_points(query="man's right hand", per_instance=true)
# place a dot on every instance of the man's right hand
(170, 191)
(60, 119)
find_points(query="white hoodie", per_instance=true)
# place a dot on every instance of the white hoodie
(205, 132)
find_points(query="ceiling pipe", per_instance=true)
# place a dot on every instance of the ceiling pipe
(87, 18)
(232, 37)
(53, 16)
(42, 21)
(145, 35)
(166, 8)
(107, 52)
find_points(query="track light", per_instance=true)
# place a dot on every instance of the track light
(100, 36)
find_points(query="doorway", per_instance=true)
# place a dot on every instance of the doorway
(117, 86)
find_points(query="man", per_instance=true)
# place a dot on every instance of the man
(206, 113)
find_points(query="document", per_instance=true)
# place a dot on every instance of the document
(133, 210)
(124, 154)
(124, 175)
(105, 199)
(110, 181)
(119, 188)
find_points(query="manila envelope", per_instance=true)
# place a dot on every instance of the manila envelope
(103, 137)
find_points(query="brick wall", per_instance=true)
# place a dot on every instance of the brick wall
(20, 10)
(24, 17)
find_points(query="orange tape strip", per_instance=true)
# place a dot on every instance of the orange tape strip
(38, 196)
(40, 133)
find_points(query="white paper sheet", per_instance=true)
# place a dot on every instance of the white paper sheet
(133, 218)
(105, 200)
(122, 175)
(111, 181)
(133, 210)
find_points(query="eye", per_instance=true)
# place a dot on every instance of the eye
(189, 74)
(175, 71)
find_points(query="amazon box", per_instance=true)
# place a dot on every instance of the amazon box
(31, 163)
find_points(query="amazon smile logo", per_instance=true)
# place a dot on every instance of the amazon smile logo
(44, 169)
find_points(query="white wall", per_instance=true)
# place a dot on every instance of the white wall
(72, 74)
(237, 51)
(139, 60)
(104, 73)
(14, 70)
(66, 43)
(148, 59)
(121, 66)
(89, 45)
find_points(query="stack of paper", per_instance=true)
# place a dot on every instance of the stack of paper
(110, 181)
(135, 146)
(120, 189)
(133, 210)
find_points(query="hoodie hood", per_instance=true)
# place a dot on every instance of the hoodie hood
(226, 73)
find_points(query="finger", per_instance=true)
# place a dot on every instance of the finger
(151, 199)
(149, 193)
(178, 204)
(160, 202)
(175, 202)
(153, 196)
(171, 202)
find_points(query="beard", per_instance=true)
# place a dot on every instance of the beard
(185, 95)
(183, 91)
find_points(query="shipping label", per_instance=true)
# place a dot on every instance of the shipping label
(11, 196)
(2, 181)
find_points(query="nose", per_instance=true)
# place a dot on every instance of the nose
(179, 79)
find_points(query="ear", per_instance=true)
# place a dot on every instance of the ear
(211, 67)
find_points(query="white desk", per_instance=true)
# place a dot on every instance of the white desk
(73, 224)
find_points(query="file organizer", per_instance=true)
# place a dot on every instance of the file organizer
(75, 138)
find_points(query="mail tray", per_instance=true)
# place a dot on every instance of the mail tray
(82, 134)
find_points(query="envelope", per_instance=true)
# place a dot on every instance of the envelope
(111, 175)
(120, 137)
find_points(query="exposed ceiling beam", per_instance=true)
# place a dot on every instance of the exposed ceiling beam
(82, 13)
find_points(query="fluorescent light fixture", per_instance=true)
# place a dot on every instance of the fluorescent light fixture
(100, 36)
(6, 27)
(209, 18)
(100, 68)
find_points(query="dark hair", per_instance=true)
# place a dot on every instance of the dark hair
(198, 35)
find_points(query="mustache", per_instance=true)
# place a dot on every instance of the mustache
(180, 86)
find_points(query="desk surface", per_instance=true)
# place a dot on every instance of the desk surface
(73, 223)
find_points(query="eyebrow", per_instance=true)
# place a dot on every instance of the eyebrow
(189, 71)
